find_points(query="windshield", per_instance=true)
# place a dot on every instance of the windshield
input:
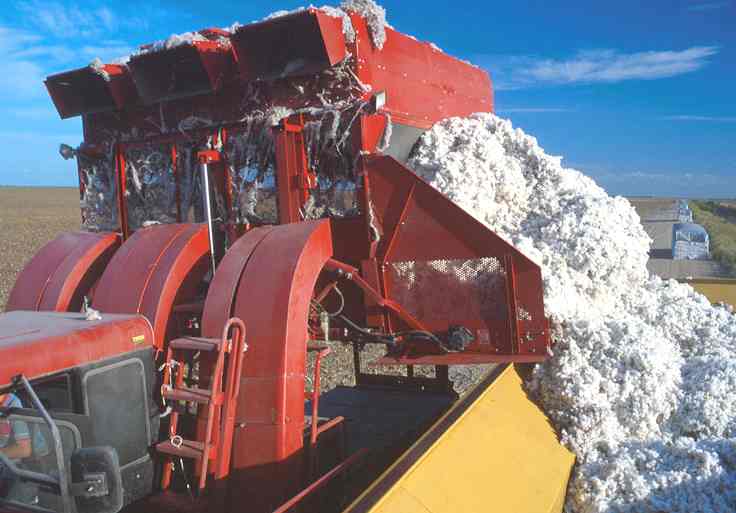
(27, 444)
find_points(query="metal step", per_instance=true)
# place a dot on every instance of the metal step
(196, 343)
(192, 395)
(188, 449)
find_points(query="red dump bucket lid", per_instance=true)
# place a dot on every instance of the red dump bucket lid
(296, 44)
(186, 70)
(88, 90)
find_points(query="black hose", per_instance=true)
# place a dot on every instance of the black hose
(391, 340)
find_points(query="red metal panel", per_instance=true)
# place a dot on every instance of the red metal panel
(84, 90)
(62, 272)
(122, 193)
(40, 343)
(423, 84)
(333, 38)
(178, 273)
(224, 285)
(121, 287)
(79, 272)
(302, 43)
(372, 128)
(157, 266)
(273, 300)
(440, 247)
(292, 171)
(122, 88)
(186, 70)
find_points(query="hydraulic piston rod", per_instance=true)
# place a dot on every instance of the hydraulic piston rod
(205, 159)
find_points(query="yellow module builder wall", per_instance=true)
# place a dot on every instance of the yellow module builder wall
(718, 290)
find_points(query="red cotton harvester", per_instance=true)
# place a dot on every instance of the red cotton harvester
(245, 205)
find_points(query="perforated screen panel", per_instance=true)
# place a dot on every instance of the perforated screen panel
(451, 290)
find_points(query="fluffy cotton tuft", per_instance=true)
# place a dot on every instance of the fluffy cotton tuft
(375, 17)
(98, 67)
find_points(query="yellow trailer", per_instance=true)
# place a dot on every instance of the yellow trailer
(718, 290)
(495, 450)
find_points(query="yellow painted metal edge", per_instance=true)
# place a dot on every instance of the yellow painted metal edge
(717, 290)
(493, 451)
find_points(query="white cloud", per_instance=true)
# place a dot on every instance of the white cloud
(13, 39)
(54, 52)
(107, 18)
(713, 119)
(21, 77)
(65, 20)
(708, 6)
(594, 66)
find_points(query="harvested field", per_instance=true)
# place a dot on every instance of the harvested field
(29, 218)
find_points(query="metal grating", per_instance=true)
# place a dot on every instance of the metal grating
(450, 290)
(250, 155)
(150, 185)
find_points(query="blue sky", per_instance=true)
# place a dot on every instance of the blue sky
(640, 95)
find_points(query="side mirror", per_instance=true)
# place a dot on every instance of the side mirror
(97, 485)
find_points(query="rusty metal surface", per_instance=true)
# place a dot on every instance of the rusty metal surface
(62, 272)
(40, 343)
(157, 266)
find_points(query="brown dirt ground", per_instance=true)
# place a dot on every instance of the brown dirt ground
(29, 218)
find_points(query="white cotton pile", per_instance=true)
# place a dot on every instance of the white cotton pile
(173, 41)
(642, 386)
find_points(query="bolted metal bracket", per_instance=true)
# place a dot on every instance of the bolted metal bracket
(94, 485)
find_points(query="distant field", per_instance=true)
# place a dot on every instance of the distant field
(30, 217)
(719, 218)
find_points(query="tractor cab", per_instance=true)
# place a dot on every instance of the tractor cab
(83, 397)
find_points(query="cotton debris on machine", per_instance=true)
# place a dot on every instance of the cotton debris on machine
(241, 156)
